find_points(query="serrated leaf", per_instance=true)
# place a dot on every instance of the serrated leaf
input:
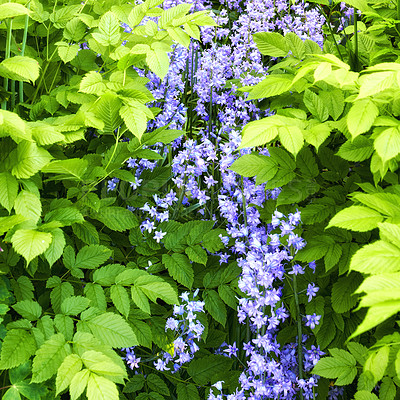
(343, 299)
(206, 369)
(120, 298)
(67, 52)
(117, 218)
(258, 133)
(95, 294)
(71, 365)
(157, 384)
(49, 357)
(387, 144)
(135, 120)
(28, 205)
(64, 325)
(377, 362)
(92, 83)
(18, 346)
(109, 30)
(31, 243)
(315, 105)
(92, 256)
(73, 166)
(356, 218)
(291, 138)
(106, 275)
(215, 306)
(100, 388)
(158, 62)
(179, 268)
(78, 384)
(142, 332)
(99, 363)
(56, 248)
(74, 305)
(60, 292)
(358, 149)
(197, 254)
(28, 309)
(187, 391)
(11, 10)
(20, 68)
(86, 232)
(30, 159)
(361, 116)
(8, 191)
(271, 44)
(376, 258)
(113, 330)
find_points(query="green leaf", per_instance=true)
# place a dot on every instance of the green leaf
(215, 306)
(49, 357)
(157, 384)
(28, 205)
(375, 83)
(258, 133)
(315, 105)
(11, 10)
(342, 293)
(334, 102)
(79, 383)
(387, 144)
(326, 332)
(197, 254)
(100, 388)
(358, 149)
(12, 394)
(228, 295)
(67, 52)
(28, 309)
(387, 390)
(291, 138)
(296, 45)
(390, 233)
(20, 68)
(155, 288)
(179, 268)
(361, 116)
(365, 395)
(120, 298)
(109, 30)
(73, 166)
(158, 62)
(356, 218)
(140, 299)
(99, 363)
(30, 159)
(44, 133)
(253, 164)
(187, 391)
(86, 232)
(18, 346)
(134, 384)
(271, 44)
(135, 120)
(95, 294)
(8, 190)
(71, 365)
(117, 218)
(206, 369)
(376, 258)
(30, 243)
(92, 83)
(377, 362)
(55, 250)
(74, 305)
(92, 256)
(342, 366)
(64, 325)
(107, 109)
(113, 330)
(142, 332)
(105, 276)
(271, 85)
(317, 134)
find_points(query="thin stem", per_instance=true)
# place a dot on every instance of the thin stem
(13, 94)
(24, 40)
(7, 55)
(299, 332)
(331, 31)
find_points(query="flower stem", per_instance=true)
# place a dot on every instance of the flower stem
(299, 332)
(7, 55)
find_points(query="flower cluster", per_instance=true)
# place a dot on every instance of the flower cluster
(188, 330)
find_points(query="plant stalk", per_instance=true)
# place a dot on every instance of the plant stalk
(299, 332)
(23, 46)
(7, 55)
